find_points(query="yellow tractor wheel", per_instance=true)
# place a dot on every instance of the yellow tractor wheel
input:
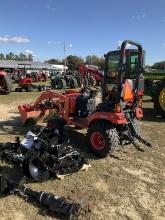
(159, 99)
(162, 99)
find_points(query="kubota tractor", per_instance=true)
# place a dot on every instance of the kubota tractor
(5, 83)
(112, 122)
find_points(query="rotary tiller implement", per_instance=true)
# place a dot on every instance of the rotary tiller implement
(44, 153)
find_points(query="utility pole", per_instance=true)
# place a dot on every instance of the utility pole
(64, 58)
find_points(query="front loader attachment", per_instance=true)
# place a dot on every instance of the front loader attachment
(48, 103)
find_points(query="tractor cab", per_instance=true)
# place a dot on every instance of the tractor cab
(123, 77)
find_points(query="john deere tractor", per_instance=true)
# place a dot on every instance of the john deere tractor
(154, 84)
(155, 87)
(63, 80)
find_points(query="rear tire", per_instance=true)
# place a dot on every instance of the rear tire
(61, 84)
(45, 77)
(5, 84)
(73, 83)
(103, 138)
(53, 85)
(159, 99)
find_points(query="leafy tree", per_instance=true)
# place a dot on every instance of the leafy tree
(159, 65)
(92, 59)
(16, 57)
(54, 61)
(10, 56)
(2, 56)
(23, 57)
(30, 57)
(73, 61)
(102, 63)
(95, 60)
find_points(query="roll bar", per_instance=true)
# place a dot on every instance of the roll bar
(121, 68)
(123, 51)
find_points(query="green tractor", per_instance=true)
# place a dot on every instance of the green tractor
(155, 87)
(61, 81)
(154, 83)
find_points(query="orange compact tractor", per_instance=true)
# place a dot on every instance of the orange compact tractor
(115, 119)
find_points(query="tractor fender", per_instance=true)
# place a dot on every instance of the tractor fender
(2, 73)
(113, 118)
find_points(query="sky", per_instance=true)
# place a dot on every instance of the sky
(87, 27)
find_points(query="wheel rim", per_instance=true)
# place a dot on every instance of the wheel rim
(162, 99)
(97, 140)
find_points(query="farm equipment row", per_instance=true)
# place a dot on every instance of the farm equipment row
(24, 71)
(87, 74)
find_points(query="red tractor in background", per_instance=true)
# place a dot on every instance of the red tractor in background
(39, 76)
(5, 83)
(91, 73)
(115, 119)
(25, 82)
(26, 79)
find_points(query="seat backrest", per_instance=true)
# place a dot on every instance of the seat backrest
(127, 90)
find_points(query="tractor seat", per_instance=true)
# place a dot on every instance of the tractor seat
(127, 90)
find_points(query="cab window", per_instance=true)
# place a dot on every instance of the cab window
(133, 63)
(113, 62)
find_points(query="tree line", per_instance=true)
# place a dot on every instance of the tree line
(159, 65)
(17, 57)
(73, 61)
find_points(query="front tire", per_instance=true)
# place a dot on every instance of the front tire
(103, 138)
(73, 83)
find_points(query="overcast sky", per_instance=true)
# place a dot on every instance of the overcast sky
(86, 26)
